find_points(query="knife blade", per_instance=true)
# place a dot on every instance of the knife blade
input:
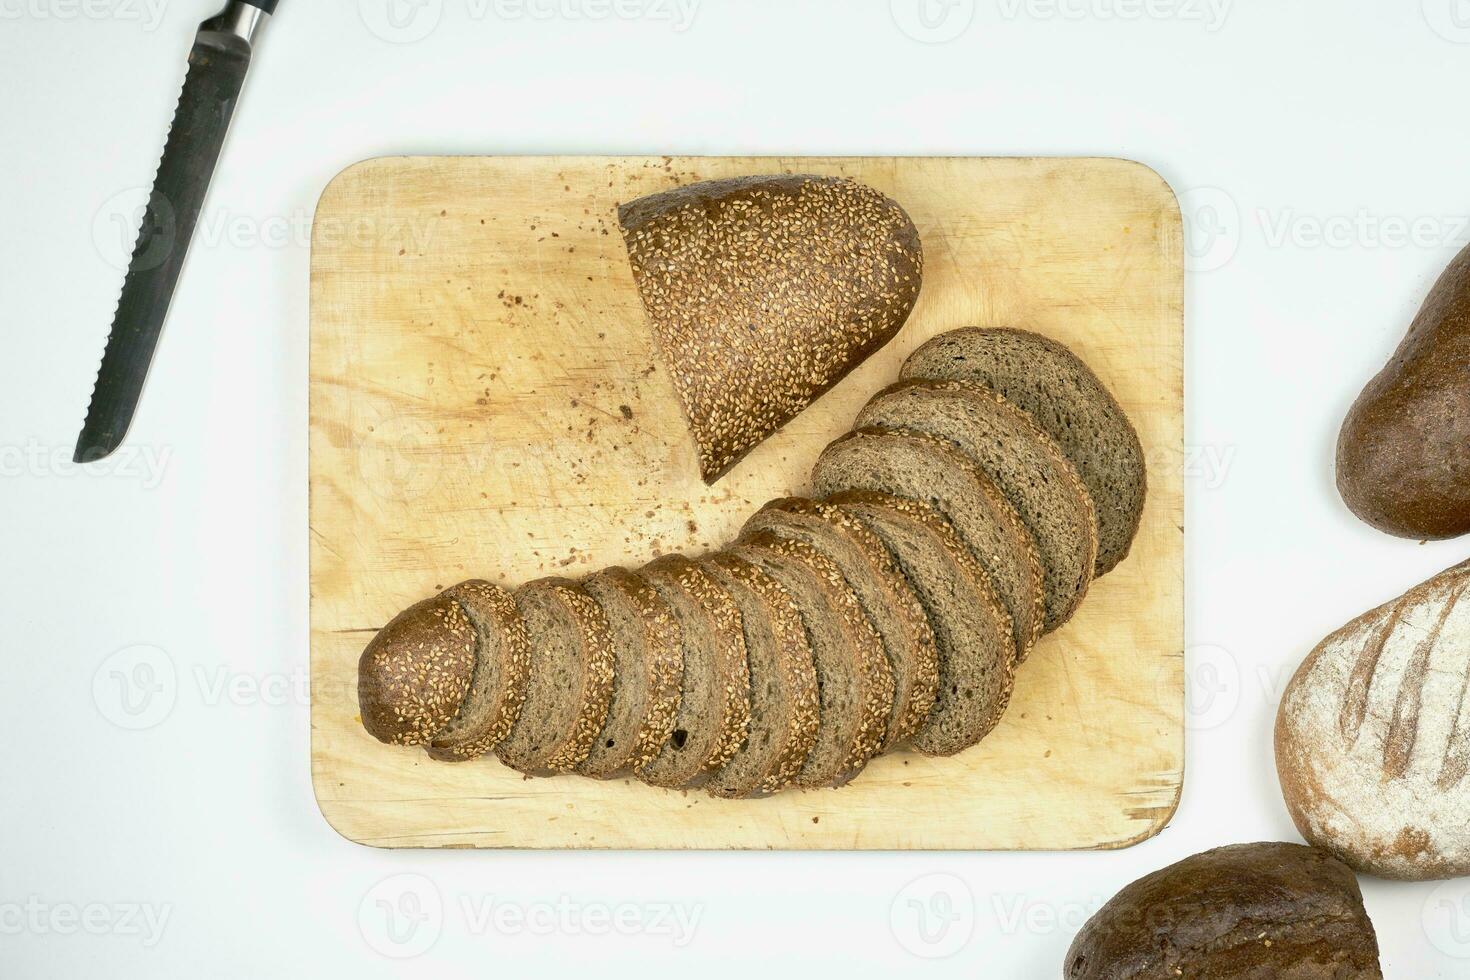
(218, 64)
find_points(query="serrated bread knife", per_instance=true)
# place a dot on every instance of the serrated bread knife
(217, 67)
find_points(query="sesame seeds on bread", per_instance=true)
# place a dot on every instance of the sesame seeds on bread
(414, 675)
(1023, 462)
(1065, 398)
(570, 682)
(977, 655)
(648, 671)
(764, 292)
(714, 705)
(498, 687)
(884, 592)
(784, 703)
(933, 471)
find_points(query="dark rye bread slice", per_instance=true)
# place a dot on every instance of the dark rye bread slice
(884, 592)
(976, 654)
(854, 681)
(714, 701)
(1070, 404)
(764, 292)
(784, 704)
(570, 682)
(498, 687)
(414, 675)
(923, 468)
(1023, 462)
(648, 671)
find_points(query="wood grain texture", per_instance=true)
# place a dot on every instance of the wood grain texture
(485, 401)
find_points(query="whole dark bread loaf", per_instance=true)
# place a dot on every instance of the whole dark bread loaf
(1373, 736)
(1071, 405)
(1248, 912)
(414, 675)
(764, 292)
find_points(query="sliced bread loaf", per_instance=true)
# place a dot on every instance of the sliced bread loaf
(714, 699)
(1068, 401)
(973, 631)
(570, 680)
(764, 292)
(886, 596)
(648, 670)
(498, 687)
(784, 704)
(1022, 461)
(413, 677)
(853, 676)
(923, 468)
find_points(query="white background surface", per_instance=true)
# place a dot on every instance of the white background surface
(1320, 151)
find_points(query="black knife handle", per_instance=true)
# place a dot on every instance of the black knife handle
(266, 6)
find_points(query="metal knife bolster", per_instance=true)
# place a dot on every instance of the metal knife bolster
(218, 63)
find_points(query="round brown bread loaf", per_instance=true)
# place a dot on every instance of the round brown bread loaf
(414, 675)
(764, 292)
(1023, 462)
(498, 687)
(648, 671)
(714, 700)
(884, 592)
(933, 471)
(1248, 912)
(1067, 400)
(854, 681)
(570, 682)
(784, 704)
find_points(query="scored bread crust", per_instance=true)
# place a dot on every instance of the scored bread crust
(731, 674)
(930, 740)
(501, 635)
(797, 682)
(914, 647)
(663, 666)
(414, 675)
(1028, 619)
(764, 292)
(1020, 424)
(595, 649)
(871, 673)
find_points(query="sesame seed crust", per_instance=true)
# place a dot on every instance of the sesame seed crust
(764, 292)
(414, 675)
(503, 649)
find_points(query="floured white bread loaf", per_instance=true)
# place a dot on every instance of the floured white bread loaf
(763, 292)
(1373, 736)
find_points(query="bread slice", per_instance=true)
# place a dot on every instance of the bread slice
(570, 681)
(933, 471)
(498, 687)
(414, 675)
(714, 702)
(784, 704)
(853, 677)
(764, 292)
(1070, 404)
(648, 671)
(973, 631)
(885, 594)
(1022, 461)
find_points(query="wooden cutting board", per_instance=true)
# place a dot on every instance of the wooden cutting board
(485, 402)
